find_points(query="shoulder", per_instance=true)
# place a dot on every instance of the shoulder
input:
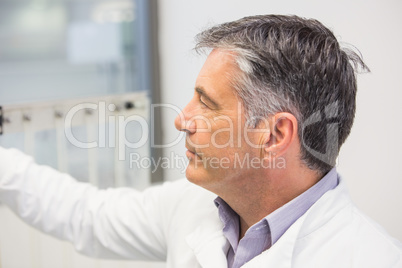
(371, 237)
(335, 225)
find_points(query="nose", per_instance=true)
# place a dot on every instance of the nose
(184, 122)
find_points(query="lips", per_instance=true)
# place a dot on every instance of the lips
(191, 154)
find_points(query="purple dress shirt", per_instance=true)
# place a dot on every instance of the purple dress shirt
(262, 235)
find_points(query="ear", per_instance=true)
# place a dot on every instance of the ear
(283, 128)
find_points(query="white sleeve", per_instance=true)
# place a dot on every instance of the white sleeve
(113, 223)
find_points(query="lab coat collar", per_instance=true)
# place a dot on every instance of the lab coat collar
(210, 246)
(326, 208)
(280, 254)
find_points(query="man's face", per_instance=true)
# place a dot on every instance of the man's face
(214, 120)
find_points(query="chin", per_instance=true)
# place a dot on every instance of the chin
(203, 179)
(191, 175)
(196, 176)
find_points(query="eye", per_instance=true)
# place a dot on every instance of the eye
(203, 103)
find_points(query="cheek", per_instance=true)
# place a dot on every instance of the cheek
(225, 133)
(223, 138)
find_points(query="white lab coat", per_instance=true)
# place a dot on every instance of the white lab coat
(178, 222)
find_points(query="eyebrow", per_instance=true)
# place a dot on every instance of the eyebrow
(201, 91)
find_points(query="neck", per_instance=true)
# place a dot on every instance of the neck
(260, 195)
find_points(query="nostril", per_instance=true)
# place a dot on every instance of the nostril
(185, 130)
(190, 126)
(185, 123)
(186, 126)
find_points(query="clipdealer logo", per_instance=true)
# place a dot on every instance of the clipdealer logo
(120, 122)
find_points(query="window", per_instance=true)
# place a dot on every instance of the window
(61, 50)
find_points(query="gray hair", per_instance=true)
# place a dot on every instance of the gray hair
(291, 64)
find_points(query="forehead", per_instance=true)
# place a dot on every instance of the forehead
(217, 74)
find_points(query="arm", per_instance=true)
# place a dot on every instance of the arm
(113, 223)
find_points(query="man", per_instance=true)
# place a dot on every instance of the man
(272, 105)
